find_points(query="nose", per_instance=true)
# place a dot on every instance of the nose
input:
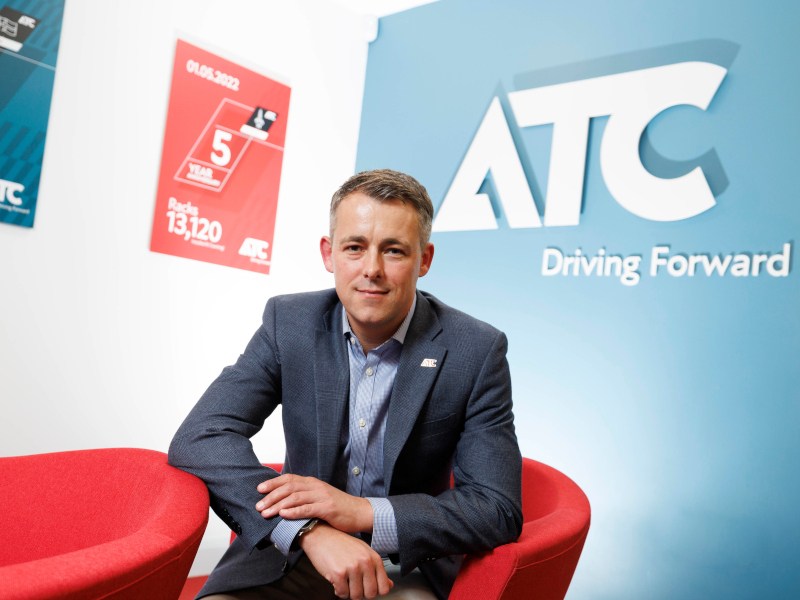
(373, 265)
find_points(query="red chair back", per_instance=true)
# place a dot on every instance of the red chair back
(539, 566)
(116, 522)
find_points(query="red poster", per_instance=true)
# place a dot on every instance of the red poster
(221, 163)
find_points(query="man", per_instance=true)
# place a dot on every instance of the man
(385, 392)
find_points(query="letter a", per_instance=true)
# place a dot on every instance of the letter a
(492, 149)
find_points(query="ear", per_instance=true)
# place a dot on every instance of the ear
(426, 260)
(326, 250)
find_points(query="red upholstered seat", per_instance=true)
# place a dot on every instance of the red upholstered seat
(111, 523)
(539, 566)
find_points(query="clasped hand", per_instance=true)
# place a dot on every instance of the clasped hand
(297, 497)
(353, 568)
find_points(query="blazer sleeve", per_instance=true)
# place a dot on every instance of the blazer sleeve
(213, 442)
(484, 508)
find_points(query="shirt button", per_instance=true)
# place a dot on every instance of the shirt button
(352, 341)
(362, 423)
(356, 471)
(370, 371)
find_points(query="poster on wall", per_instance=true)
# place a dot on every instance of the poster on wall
(221, 162)
(29, 36)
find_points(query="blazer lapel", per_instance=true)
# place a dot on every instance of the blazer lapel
(420, 362)
(331, 383)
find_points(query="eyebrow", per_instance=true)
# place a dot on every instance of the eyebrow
(360, 239)
(353, 238)
(394, 242)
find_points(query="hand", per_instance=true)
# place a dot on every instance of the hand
(297, 497)
(354, 569)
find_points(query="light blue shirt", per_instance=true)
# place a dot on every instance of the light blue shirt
(371, 381)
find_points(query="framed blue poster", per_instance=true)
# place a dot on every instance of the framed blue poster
(29, 35)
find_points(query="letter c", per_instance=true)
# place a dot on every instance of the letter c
(10, 187)
(646, 93)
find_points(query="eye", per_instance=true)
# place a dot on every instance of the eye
(395, 251)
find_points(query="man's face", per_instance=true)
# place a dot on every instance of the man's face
(375, 258)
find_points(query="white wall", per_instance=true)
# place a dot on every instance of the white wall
(103, 343)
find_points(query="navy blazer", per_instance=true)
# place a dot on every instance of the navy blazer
(452, 417)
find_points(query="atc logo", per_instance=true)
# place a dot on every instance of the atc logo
(631, 100)
(9, 192)
(256, 250)
(15, 27)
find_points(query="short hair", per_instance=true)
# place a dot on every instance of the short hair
(385, 185)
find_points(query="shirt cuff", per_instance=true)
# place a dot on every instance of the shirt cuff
(384, 527)
(284, 533)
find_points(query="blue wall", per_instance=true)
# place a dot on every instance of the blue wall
(673, 402)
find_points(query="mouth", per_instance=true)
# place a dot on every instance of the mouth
(372, 293)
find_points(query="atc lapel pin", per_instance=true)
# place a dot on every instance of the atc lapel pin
(428, 362)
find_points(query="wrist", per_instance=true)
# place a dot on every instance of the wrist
(304, 531)
(366, 516)
(312, 533)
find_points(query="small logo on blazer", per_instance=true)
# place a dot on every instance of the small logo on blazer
(428, 362)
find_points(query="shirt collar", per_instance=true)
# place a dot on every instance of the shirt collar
(399, 335)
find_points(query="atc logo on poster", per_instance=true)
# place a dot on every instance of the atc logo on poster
(10, 193)
(255, 250)
(630, 100)
(15, 27)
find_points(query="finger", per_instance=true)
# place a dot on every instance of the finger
(301, 511)
(298, 481)
(296, 500)
(291, 485)
(367, 571)
(384, 583)
(370, 584)
(356, 585)
(340, 587)
(275, 496)
(270, 484)
(338, 593)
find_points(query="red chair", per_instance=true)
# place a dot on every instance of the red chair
(538, 566)
(113, 523)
